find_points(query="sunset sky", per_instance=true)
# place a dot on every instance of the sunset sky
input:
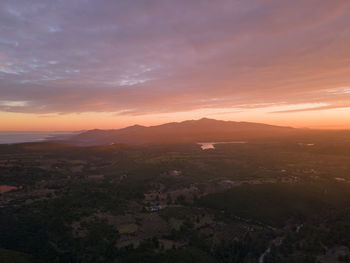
(82, 64)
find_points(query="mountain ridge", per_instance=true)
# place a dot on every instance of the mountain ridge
(189, 131)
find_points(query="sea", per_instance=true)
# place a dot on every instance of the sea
(33, 136)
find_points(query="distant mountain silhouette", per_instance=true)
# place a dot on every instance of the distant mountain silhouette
(190, 131)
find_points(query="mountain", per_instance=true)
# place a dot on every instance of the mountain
(190, 131)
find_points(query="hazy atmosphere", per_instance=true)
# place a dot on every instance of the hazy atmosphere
(174, 131)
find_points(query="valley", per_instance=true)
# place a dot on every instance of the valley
(173, 202)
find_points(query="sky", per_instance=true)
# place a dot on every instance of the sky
(83, 64)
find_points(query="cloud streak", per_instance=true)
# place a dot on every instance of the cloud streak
(142, 57)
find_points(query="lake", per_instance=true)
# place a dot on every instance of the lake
(211, 145)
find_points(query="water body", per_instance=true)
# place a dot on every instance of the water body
(20, 137)
(211, 145)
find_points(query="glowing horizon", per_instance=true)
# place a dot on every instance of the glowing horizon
(84, 65)
(82, 121)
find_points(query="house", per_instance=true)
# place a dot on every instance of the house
(155, 208)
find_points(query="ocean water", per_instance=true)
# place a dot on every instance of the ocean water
(20, 137)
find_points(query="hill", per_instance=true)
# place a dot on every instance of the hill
(202, 130)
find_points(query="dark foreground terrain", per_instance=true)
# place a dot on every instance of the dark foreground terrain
(260, 201)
